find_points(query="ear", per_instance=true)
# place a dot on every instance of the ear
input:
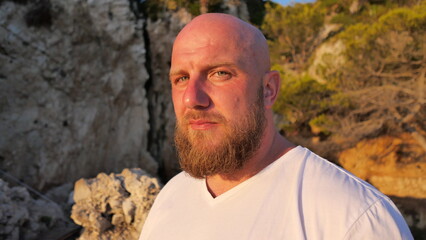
(271, 87)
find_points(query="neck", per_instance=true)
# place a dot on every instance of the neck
(267, 154)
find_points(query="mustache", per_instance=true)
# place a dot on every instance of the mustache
(210, 116)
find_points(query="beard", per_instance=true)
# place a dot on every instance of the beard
(200, 156)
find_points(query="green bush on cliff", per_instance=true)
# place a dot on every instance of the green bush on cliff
(383, 50)
(383, 73)
(302, 98)
(343, 19)
(376, 85)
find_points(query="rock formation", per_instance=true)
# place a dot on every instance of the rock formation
(390, 163)
(161, 34)
(23, 217)
(327, 58)
(114, 206)
(73, 100)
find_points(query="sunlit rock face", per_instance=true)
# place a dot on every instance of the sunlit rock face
(392, 164)
(72, 90)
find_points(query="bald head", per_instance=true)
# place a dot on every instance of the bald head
(222, 91)
(228, 33)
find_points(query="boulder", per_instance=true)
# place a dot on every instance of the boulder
(114, 206)
(24, 217)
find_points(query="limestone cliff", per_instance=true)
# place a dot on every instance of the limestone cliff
(73, 100)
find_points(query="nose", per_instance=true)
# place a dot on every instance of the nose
(195, 96)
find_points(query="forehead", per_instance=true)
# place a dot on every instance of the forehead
(210, 46)
(205, 45)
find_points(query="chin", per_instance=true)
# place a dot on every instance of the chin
(206, 135)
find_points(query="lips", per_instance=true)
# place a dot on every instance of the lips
(202, 124)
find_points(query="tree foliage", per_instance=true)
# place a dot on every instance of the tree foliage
(292, 32)
(301, 99)
(381, 85)
(384, 73)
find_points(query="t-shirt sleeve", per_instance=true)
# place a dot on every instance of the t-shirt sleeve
(381, 221)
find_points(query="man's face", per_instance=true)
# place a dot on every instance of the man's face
(218, 102)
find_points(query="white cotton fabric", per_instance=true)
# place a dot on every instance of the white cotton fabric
(299, 196)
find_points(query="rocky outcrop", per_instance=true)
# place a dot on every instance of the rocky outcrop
(72, 90)
(161, 33)
(23, 217)
(327, 58)
(392, 164)
(114, 206)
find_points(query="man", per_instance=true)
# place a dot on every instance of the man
(242, 179)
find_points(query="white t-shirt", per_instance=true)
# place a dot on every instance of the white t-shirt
(299, 196)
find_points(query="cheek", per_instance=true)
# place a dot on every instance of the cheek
(237, 103)
(231, 102)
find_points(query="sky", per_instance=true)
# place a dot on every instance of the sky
(287, 2)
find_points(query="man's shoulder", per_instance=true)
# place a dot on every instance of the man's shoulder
(341, 200)
(320, 185)
(334, 184)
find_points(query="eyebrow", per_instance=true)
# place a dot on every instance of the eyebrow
(176, 72)
(209, 66)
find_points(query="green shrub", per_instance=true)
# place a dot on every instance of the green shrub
(344, 19)
(302, 98)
